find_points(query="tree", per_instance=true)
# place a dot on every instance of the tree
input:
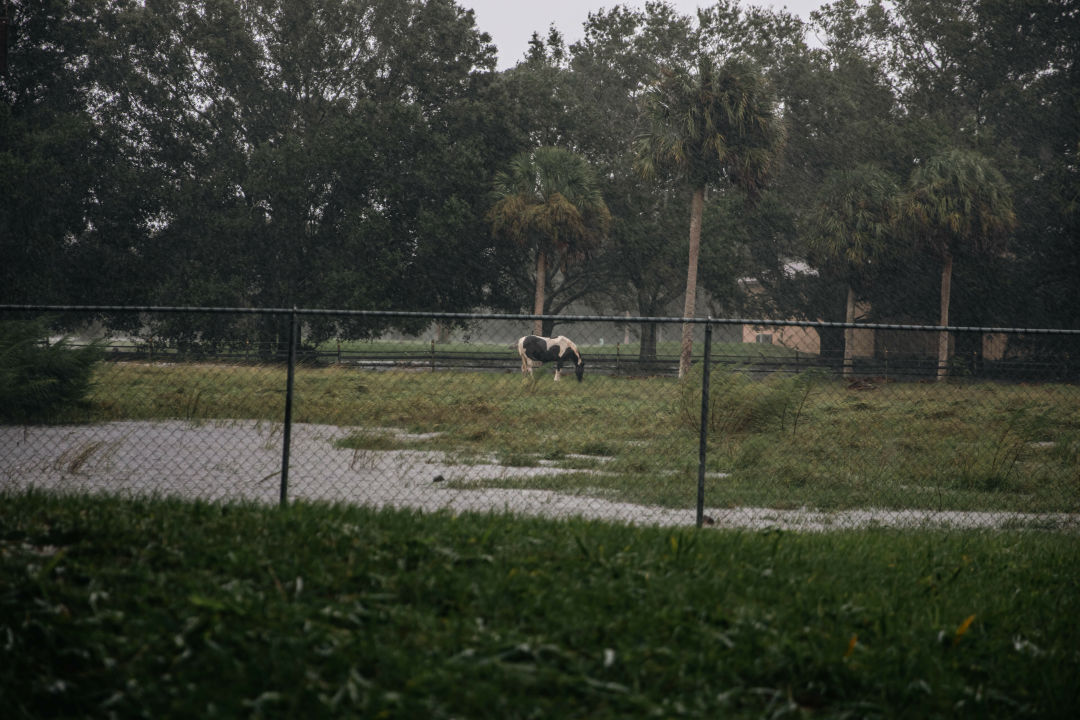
(309, 152)
(538, 94)
(549, 202)
(39, 379)
(72, 205)
(849, 230)
(619, 57)
(719, 124)
(1001, 78)
(542, 109)
(957, 203)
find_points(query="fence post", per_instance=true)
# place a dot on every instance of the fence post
(286, 441)
(703, 439)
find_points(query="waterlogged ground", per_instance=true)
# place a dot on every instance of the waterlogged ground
(241, 460)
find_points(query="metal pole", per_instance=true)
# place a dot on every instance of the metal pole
(703, 439)
(286, 441)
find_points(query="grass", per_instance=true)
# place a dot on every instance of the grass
(785, 441)
(669, 349)
(175, 609)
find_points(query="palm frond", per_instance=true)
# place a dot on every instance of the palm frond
(959, 200)
(717, 122)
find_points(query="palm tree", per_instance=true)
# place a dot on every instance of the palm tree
(717, 124)
(957, 202)
(849, 230)
(549, 202)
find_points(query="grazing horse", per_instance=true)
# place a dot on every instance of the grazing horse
(541, 350)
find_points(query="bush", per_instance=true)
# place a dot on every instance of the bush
(38, 379)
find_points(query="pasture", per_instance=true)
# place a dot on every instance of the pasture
(161, 606)
(783, 441)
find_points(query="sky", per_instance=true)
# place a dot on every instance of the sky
(511, 22)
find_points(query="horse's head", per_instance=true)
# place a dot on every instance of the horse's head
(579, 368)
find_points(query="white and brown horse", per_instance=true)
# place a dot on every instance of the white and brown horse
(536, 349)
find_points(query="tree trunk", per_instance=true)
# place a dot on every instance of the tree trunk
(849, 333)
(442, 332)
(697, 207)
(538, 301)
(647, 351)
(943, 336)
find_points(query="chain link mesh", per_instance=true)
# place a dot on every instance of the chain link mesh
(798, 433)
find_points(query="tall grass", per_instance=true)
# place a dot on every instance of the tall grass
(170, 609)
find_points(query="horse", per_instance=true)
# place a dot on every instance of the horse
(533, 348)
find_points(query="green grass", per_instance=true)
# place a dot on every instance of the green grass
(668, 349)
(419, 346)
(783, 441)
(172, 609)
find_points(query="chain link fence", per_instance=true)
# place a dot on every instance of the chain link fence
(777, 424)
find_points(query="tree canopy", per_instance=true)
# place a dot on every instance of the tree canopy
(342, 153)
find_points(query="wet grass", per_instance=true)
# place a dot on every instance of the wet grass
(784, 441)
(176, 609)
(669, 349)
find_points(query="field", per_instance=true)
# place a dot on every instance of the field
(666, 349)
(162, 607)
(784, 441)
(171, 609)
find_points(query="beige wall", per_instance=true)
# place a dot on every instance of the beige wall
(802, 339)
(993, 346)
(808, 340)
(862, 343)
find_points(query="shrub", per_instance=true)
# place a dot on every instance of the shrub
(39, 379)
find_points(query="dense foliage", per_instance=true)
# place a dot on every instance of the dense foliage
(39, 378)
(342, 154)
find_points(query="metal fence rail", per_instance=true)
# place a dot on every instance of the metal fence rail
(775, 426)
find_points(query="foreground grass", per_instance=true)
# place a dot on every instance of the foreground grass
(170, 609)
(783, 441)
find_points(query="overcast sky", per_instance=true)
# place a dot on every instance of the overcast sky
(511, 22)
